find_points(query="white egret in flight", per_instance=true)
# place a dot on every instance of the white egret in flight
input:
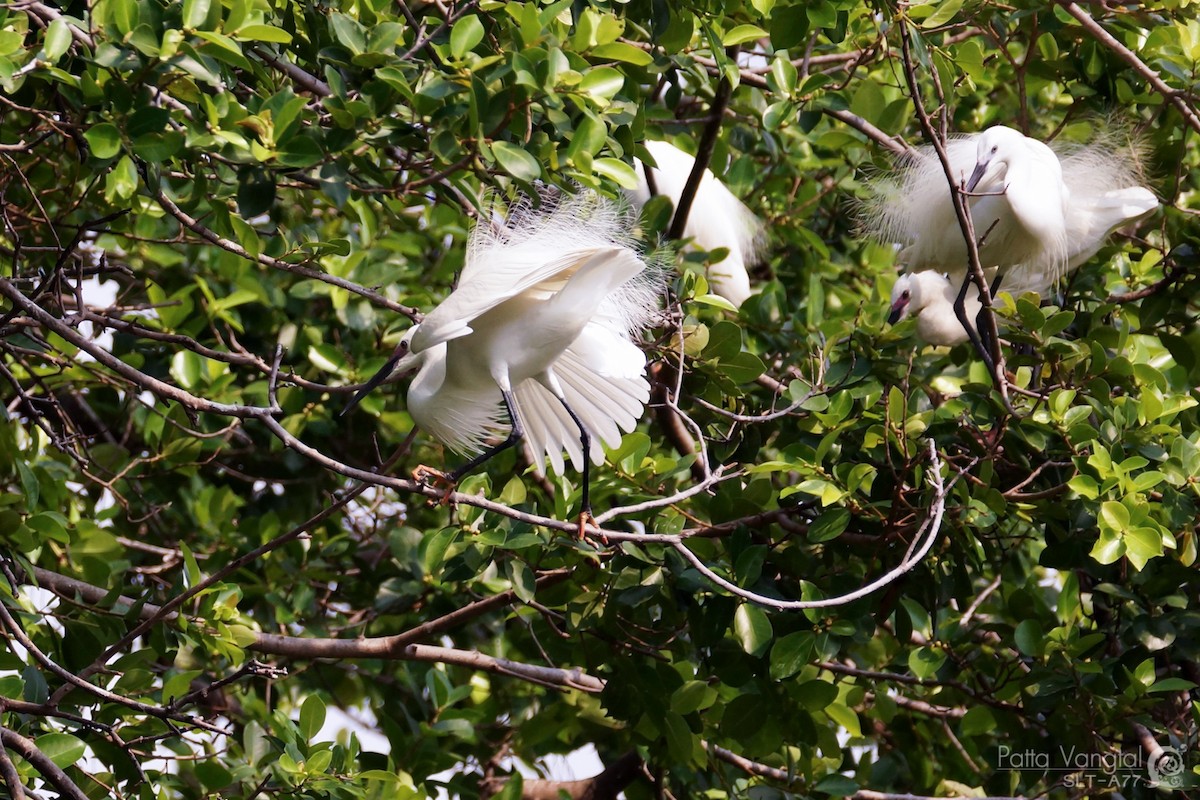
(717, 219)
(537, 342)
(1038, 212)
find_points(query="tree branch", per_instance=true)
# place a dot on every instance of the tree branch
(916, 552)
(53, 773)
(1105, 38)
(704, 150)
(604, 786)
(107, 359)
(194, 225)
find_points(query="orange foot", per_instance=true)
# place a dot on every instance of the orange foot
(586, 518)
(430, 476)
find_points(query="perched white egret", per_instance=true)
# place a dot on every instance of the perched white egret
(538, 338)
(1038, 212)
(716, 220)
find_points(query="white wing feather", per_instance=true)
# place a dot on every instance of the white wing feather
(607, 404)
(538, 249)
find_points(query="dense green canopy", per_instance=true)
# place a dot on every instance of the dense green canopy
(219, 216)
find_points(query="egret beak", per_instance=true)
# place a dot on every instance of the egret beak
(980, 170)
(379, 377)
(898, 309)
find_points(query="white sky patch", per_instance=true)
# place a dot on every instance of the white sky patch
(99, 294)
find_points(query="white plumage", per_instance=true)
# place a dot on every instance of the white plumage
(1039, 213)
(716, 220)
(546, 312)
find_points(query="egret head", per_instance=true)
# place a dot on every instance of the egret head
(902, 298)
(914, 291)
(994, 149)
(402, 359)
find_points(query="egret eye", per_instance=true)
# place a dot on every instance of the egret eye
(905, 294)
(404, 345)
(995, 148)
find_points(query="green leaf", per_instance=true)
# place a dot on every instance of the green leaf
(1142, 544)
(753, 628)
(944, 13)
(262, 33)
(57, 40)
(122, 181)
(836, 786)
(522, 579)
(602, 83)
(465, 35)
(104, 140)
(622, 51)
(312, 716)
(29, 484)
(679, 737)
(61, 748)
(49, 526)
(692, 696)
(516, 161)
(791, 653)
(1109, 547)
(926, 661)
(195, 13)
(1028, 637)
(616, 170)
(828, 525)
(742, 34)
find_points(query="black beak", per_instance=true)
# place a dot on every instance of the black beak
(976, 175)
(376, 379)
(897, 311)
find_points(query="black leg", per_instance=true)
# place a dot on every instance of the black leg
(514, 436)
(586, 440)
(969, 325)
(985, 333)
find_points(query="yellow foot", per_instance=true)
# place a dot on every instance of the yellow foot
(431, 477)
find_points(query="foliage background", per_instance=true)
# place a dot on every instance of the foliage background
(245, 175)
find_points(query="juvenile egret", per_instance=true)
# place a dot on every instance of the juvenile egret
(1038, 213)
(716, 220)
(538, 339)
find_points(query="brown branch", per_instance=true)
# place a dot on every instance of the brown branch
(54, 774)
(1105, 38)
(604, 786)
(153, 385)
(962, 210)
(704, 151)
(8, 772)
(297, 647)
(306, 80)
(753, 767)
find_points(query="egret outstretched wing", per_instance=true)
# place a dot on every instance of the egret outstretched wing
(536, 249)
(606, 403)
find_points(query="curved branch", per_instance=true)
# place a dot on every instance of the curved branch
(10, 776)
(916, 552)
(604, 786)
